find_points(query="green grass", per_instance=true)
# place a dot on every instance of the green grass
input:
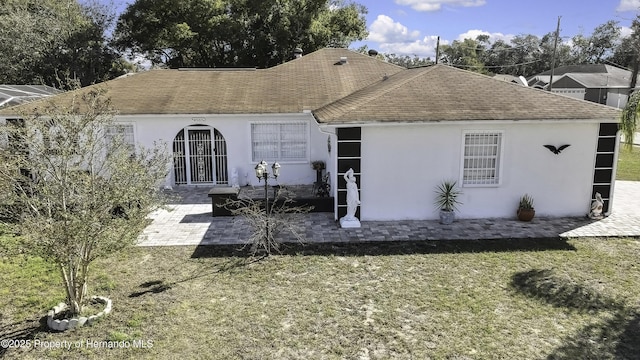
(441, 300)
(26, 282)
(629, 164)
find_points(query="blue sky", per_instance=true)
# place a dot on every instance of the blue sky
(411, 27)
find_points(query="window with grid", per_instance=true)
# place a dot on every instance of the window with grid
(125, 134)
(279, 141)
(481, 163)
(56, 140)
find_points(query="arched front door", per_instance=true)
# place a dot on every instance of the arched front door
(200, 156)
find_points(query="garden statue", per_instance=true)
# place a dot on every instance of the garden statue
(596, 208)
(353, 200)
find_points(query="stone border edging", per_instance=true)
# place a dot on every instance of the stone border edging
(76, 322)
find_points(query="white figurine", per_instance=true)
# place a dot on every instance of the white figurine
(353, 200)
(596, 208)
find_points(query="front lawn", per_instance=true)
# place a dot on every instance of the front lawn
(443, 300)
(629, 164)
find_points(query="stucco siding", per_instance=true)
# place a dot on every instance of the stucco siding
(236, 130)
(401, 166)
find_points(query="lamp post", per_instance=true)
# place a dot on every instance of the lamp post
(262, 174)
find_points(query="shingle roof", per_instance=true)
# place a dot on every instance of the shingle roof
(600, 80)
(443, 93)
(591, 75)
(306, 83)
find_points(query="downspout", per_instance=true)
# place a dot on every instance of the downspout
(334, 168)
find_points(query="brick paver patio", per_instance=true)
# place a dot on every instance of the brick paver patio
(190, 223)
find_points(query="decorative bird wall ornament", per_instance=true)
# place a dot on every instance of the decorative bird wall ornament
(555, 150)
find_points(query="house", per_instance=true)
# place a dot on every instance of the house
(402, 131)
(221, 122)
(406, 134)
(600, 83)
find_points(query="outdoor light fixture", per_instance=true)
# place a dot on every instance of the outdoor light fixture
(261, 173)
(261, 170)
(275, 169)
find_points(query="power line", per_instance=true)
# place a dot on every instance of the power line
(493, 66)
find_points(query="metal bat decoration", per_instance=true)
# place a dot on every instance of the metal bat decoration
(555, 150)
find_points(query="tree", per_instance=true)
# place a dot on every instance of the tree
(406, 60)
(597, 47)
(267, 222)
(78, 190)
(498, 58)
(42, 41)
(631, 112)
(241, 33)
(624, 53)
(630, 118)
(465, 54)
(603, 41)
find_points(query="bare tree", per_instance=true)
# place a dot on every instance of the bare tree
(266, 224)
(77, 188)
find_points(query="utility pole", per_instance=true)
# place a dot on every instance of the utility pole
(635, 36)
(437, 50)
(553, 60)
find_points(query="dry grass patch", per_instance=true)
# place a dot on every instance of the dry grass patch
(521, 299)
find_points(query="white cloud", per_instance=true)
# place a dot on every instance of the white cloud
(628, 5)
(425, 47)
(625, 31)
(435, 5)
(385, 29)
(472, 34)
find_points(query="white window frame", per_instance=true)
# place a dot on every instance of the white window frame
(129, 141)
(481, 153)
(278, 141)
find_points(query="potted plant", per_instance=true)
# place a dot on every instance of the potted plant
(317, 165)
(526, 212)
(447, 200)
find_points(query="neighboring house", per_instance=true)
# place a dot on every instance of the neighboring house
(599, 83)
(402, 131)
(19, 94)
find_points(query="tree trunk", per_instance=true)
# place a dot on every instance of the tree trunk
(634, 73)
(75, 281)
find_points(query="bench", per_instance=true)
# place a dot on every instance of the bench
(219, 196)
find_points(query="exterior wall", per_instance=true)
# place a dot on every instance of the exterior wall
(236, 130)
(573, 93)
(402, 164)
(596, 95)
(617, 98)
(612, 97)
(567, 82)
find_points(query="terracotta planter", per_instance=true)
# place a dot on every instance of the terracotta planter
(526, 214)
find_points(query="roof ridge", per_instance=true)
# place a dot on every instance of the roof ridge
(318, 53)
(356, 102)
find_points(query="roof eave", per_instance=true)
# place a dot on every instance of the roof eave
(347, 123)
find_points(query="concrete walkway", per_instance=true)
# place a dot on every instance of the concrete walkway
(192, 224)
